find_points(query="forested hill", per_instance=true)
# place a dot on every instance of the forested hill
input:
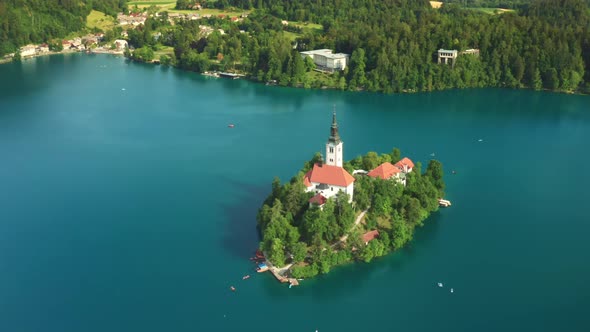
(544, 44)
(36, 21)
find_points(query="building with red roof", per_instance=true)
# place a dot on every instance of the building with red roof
(330, 178)
(385, 171)
(405, 165)
(318, 200)
(369, 236)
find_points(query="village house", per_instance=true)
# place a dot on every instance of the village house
(326, 180)
(471, 51)
(369, 236)
(28, 50)
(121, 44)
(66, 44)
(325, 60)
(43, 48)
(397, 171)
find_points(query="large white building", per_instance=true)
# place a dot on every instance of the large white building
(327, 179)
(326, 60)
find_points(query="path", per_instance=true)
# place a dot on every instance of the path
(356, 222)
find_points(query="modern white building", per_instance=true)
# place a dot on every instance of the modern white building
(326, 60)
(445, 55)
(327, 179)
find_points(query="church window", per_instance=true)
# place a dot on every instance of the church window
(331, 149)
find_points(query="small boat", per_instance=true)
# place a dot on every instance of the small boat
(451, 290)
(262, 268)
(290, 285)
(233, 289)
(454, 172)
(440, 284)
(231, 125)
(480, 140)
(245, 277)
(432, 154)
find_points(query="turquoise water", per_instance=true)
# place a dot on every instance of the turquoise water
(134, 209)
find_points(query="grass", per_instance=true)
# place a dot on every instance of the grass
(100, 21)
(163, 50)
(291, 35)
(492, 11)
(308, 27)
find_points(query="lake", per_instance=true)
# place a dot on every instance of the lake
(127, 204)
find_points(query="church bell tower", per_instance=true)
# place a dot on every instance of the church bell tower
(334, 145)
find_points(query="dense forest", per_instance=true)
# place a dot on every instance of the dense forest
(309, 237)
(36, 21)
(545, 44)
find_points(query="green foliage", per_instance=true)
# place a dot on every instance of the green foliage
(145, 54)
(37, 21)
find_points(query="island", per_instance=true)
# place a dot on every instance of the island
(334, 212)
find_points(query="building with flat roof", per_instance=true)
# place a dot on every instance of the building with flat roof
(445, 55)
(324, 59)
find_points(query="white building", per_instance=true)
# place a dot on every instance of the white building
(326, 180)
(121, 44)
(327, 60)
(445, 55)
(28, 50)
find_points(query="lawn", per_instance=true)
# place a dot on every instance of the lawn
(163, 50)
(307, 26)
(492, 11)
(99, 20)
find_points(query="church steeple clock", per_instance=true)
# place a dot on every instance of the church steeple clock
(334, 145)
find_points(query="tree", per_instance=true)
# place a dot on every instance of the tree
(395, 155)
(435, 172)
(277, 253)
(299, 251)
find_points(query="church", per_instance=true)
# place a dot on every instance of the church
(328, 178)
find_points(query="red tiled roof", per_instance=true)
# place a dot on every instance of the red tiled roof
(405, 161)
(368, 236)
(306, 179)
(328, 174)
(384, 171)
(318, 199)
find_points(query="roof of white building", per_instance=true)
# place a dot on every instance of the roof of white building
(327, 53)
(328, 174)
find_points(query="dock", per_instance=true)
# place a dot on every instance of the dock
(230, 75)
(444, 202)
(279, 274)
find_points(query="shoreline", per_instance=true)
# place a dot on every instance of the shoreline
(39, 55)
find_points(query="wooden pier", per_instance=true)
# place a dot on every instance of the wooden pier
(444, 202)
(278, 274)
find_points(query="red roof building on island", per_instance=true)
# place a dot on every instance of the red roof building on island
(318, 199)
(371, 235)
(328, 174)
(384, 171)
(405, 165)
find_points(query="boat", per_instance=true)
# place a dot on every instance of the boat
(245, 277)
(451, 290)
(231, 125)
(233, 289)
(454, 172)
(440, 284)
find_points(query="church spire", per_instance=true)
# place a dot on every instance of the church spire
(334, 136)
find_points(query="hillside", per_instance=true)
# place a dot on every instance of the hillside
(36, 21)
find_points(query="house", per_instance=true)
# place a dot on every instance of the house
(28, 50)
(395, 172)
(66, 44)
(325, 60)
(445, 55)
(43, 48)
(471, 51)
(330, 178)
(369, 236)
(385, 171)
(406, 165)
(318, 200)
(121, 44)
